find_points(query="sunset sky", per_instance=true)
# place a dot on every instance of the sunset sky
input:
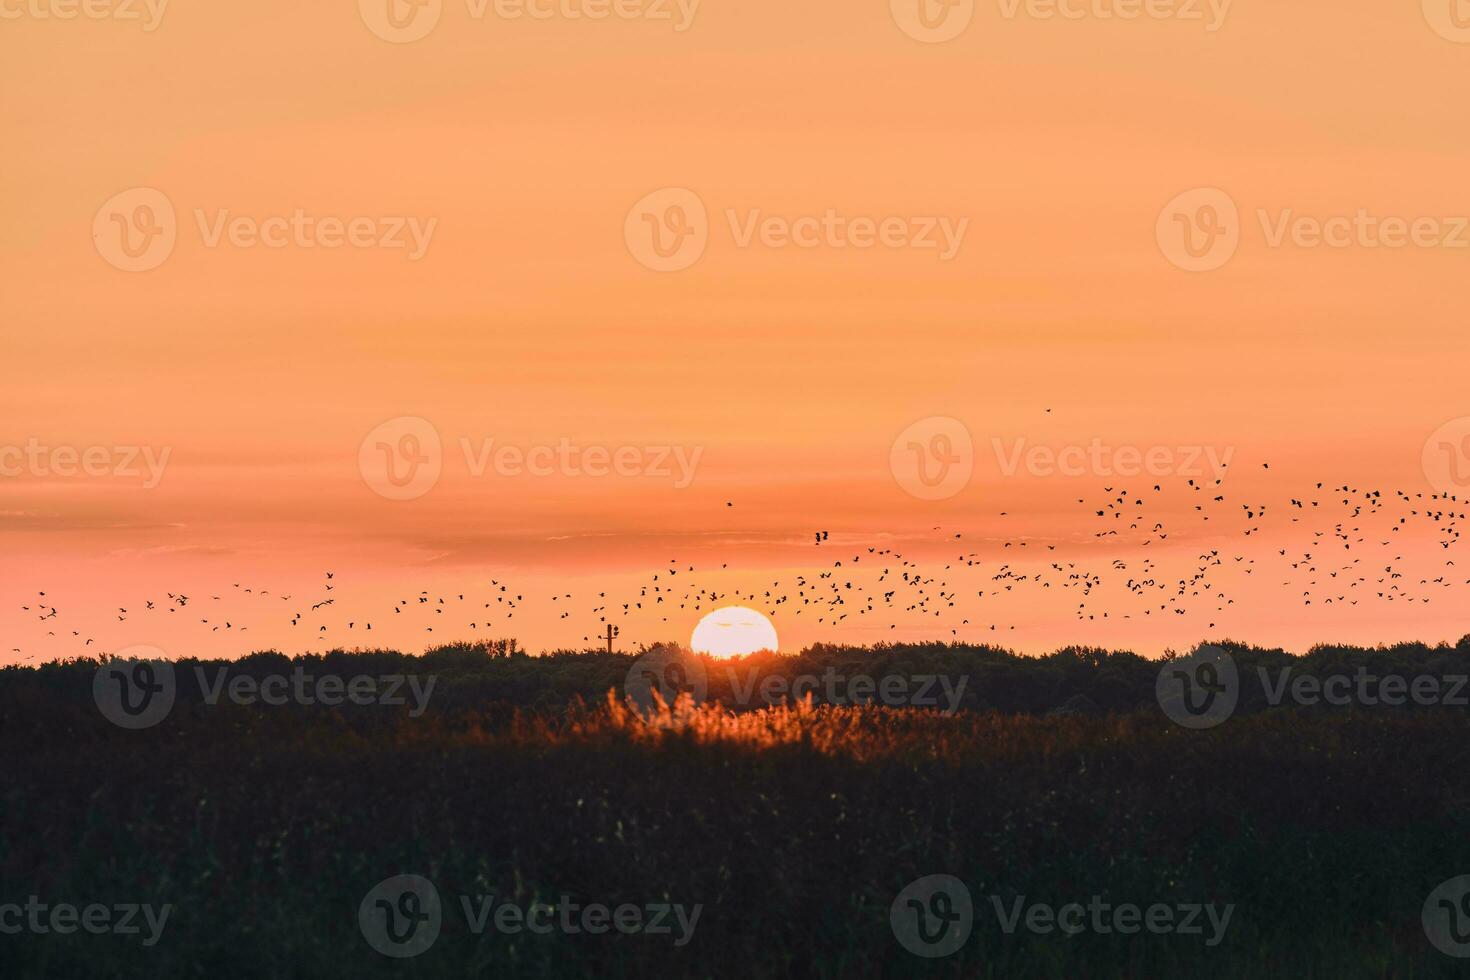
(527, 153)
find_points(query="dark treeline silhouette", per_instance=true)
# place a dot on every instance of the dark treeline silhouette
(499, 675)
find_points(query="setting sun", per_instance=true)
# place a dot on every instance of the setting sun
(732, 631)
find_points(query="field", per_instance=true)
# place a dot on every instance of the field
(792, 828)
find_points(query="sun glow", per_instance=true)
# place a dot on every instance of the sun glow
(731, 631)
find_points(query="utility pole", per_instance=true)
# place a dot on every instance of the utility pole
(612, 631)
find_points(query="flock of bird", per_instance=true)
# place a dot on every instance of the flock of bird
(1132, 557)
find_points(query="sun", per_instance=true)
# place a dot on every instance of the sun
(731, 631)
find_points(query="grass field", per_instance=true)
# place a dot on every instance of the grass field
(793, 829)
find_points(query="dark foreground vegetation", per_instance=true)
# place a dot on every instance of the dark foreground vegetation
(794, 828)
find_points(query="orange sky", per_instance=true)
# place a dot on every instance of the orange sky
(526, 312)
